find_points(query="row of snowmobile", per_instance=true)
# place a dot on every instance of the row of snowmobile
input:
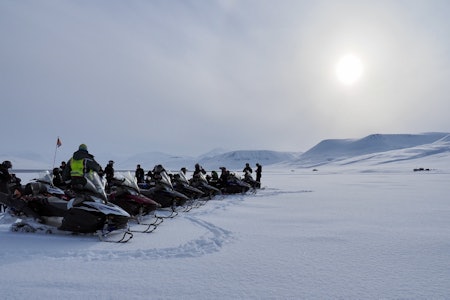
(127, 208)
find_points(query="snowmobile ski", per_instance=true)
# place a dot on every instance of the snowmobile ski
(147, 227)
(107, 236)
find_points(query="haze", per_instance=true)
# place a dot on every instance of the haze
(185, 77)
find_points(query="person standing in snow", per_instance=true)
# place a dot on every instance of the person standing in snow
(258, 174)
(82, 162)
(139, 174)
(5, 177)
(223, 179)
(109, 173)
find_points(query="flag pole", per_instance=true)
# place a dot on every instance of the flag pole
(58, 144)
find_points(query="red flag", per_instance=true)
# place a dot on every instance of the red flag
(58, 143)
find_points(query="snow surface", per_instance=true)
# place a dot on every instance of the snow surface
(364, 227)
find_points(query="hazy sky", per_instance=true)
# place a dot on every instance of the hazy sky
(184, 77)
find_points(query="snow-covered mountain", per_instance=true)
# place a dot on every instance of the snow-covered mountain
(212, 160)
(338, 150)
(374, 149)
(150, 159)
(236, 160)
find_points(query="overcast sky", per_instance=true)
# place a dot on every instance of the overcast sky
(185, 77)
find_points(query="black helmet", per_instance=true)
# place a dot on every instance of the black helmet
(7, 164)
(110, 162)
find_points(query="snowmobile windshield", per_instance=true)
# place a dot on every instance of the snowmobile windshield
(45, 177)
(95, 185)
(202, 177)
(165, 179)
(183, 177)
(128, 180)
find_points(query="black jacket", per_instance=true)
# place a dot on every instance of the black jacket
(5, 178)
(90, 163)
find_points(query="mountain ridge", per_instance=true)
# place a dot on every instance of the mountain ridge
(328, 151)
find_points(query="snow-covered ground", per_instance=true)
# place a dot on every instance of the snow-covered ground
(365, 227)
(307, 235)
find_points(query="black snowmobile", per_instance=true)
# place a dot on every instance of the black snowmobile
(248, 178)
(126, 194)
(200, 182)
(181, 184)
(87, 213)
(43, 184)
(235, 185)
(161, 190)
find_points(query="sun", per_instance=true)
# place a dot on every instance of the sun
(349, 69)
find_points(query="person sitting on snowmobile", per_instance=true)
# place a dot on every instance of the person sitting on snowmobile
(148, 176)
(198, 169)
(156, 174)
(247, 168)
(82, 162)
(213, 179)
(57, 178)
(11, 192)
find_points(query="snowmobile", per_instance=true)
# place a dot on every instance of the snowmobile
(235, 185)
(126, 194)
(248, 178)
(200, 182)
(87, 213)
(43, 184)
(161, 190)
(181, 184)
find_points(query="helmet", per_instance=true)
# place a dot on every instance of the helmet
(82, 147)
(110, 162)
(7, 164)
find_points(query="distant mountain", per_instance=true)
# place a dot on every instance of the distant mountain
(375, 149)
(236, 160)
(438, 151)
(334, 150)
(26, 160)
(212, 160)
(212, 153)
(149, 159)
